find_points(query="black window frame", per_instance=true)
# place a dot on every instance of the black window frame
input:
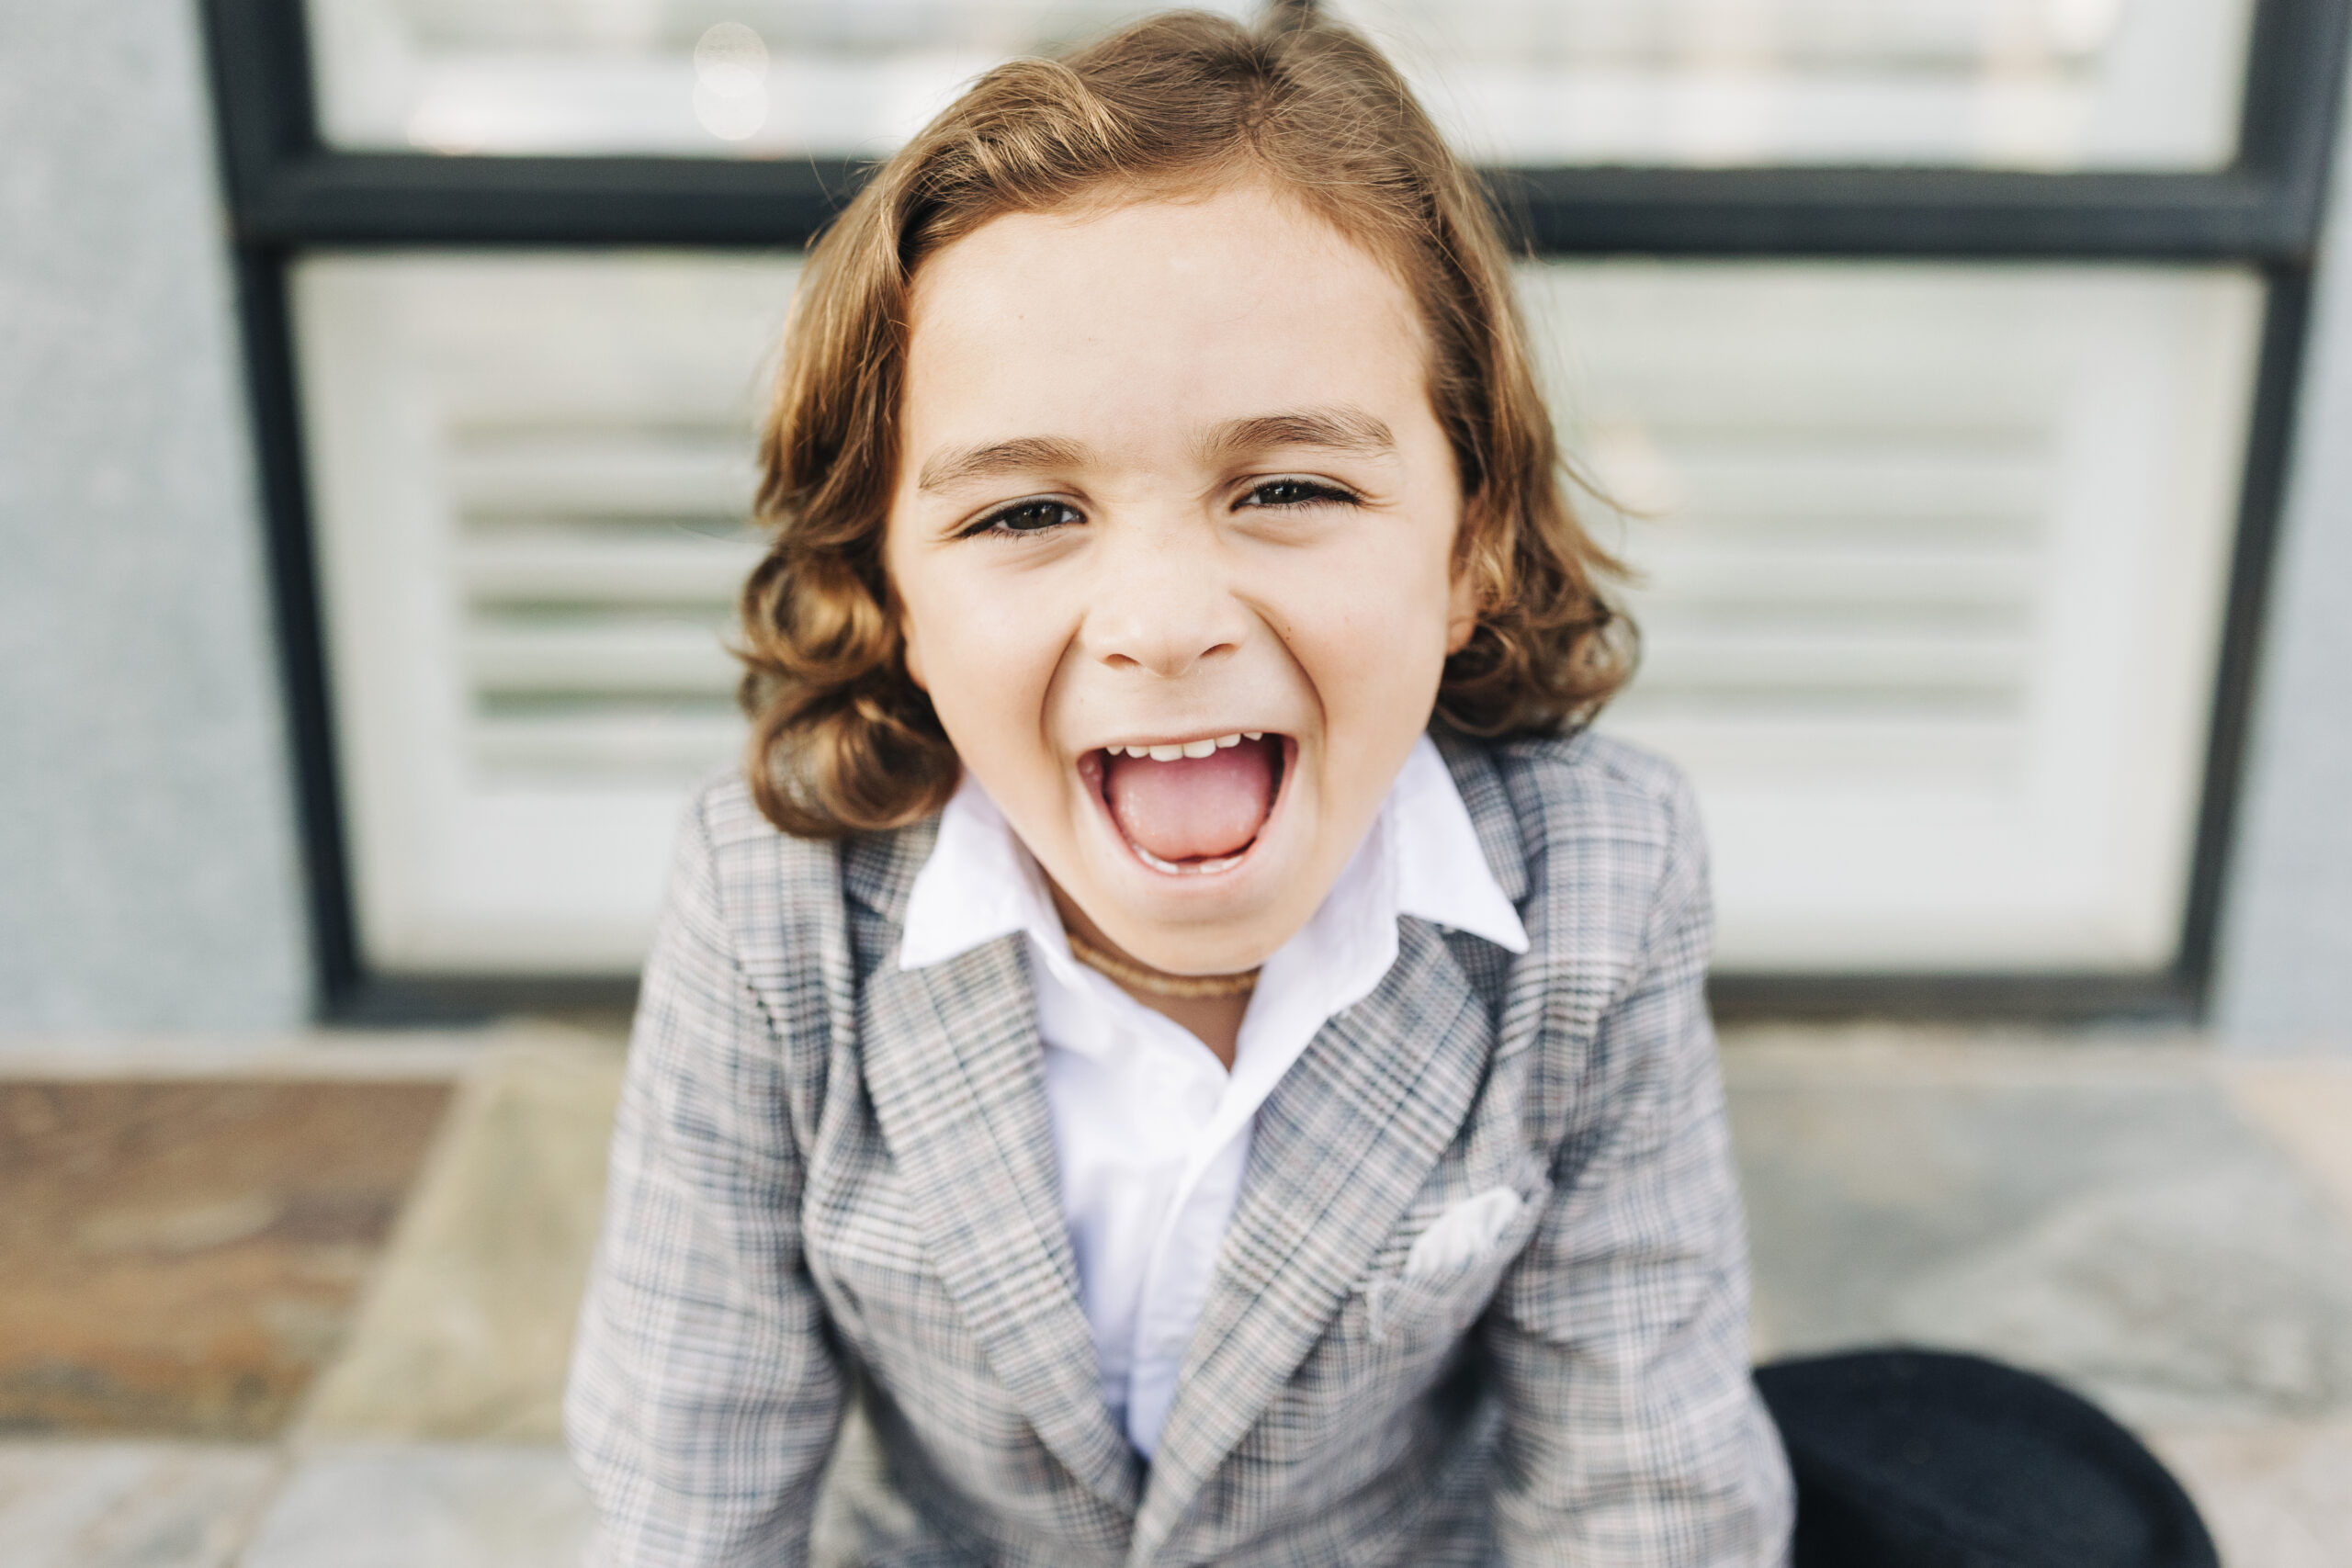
(288, 192)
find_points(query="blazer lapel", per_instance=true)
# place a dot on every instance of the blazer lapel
(1340, 1148)
(952, 1060)
(1480, 785)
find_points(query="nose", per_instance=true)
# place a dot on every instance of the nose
(1163, 601)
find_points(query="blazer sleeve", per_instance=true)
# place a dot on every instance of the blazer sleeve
(1632, 1437)
(704, 1394)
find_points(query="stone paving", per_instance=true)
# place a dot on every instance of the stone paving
(2164, 1227)
(182, 1258)
(2167, 1230)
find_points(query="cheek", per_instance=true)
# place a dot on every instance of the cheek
(1407, 592)
(1370, 628)
(986, 656)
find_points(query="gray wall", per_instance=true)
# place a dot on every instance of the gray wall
(148, 866)
(2285, 973)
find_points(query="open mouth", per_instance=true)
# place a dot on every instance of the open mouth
(1191, 807)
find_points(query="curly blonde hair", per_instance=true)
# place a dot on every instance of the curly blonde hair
(842, 740)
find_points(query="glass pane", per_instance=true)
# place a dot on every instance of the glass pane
(1932, 562)
(752, 78)
(1980, 84)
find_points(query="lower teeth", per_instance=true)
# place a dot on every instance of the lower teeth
(1197, 868)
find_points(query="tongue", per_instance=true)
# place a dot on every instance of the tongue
(1196, 809)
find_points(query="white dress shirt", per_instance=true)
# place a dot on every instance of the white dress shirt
(1151, 1132)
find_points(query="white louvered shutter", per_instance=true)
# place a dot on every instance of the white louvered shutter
(1932, 564)
(531, 479)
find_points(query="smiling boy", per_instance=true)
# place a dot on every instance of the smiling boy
(1181, 1048)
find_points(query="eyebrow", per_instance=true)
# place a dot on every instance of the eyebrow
(944, 470)
(1336, 430)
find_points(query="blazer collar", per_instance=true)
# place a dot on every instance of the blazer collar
(878, 870)
(1480, 784)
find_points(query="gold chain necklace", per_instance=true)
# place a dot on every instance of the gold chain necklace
(1183, 987)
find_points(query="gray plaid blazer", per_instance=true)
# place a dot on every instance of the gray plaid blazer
(833, 1194)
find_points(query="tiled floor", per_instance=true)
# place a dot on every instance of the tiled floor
(2164, 1229)
(131, 1505)
(2167, 1229)
(422, 1505)
(2109, 1217)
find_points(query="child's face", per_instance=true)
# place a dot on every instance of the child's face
(1169, 473)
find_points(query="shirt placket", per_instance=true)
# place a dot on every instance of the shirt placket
(1183, 1255)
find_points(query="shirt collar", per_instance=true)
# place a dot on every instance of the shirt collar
(1422, 858)
(1441, 871)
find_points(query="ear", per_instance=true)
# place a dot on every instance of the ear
(911, 653)
(894, 611)
(1462, 606)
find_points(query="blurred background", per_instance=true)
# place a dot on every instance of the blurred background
(1968, 381)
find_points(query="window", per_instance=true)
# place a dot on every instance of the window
(1977, 83)
(757, 78)
(1930, 360)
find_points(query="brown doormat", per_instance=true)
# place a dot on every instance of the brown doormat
(180, 1258)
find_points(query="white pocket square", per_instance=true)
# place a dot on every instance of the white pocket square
(1462, 1233)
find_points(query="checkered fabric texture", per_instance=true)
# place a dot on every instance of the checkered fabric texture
(834, 1223)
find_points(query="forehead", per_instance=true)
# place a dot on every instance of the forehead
(1155, 316)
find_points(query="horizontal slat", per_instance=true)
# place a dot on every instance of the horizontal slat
(1764, 663)
(1728, 484)
(628, 519)
(592, 657)
(1797, 746)
(608, 474)
(1671, 622)
(1704, 710)
(548, 564)
(1674, 565)
(592, 744)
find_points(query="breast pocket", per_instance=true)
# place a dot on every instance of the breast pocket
(1453, 1268)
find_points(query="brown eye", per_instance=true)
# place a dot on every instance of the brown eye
(1027, 517)
(1295, 492)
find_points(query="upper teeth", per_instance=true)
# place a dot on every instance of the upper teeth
(1169, 753)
